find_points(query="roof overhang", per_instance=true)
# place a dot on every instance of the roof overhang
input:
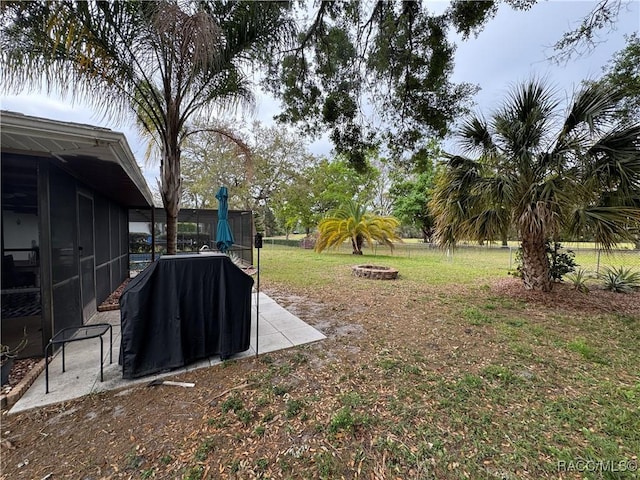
(99, 157)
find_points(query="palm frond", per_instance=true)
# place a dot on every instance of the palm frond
(592, 104)
(455, 199)
(522, 123)
(487, 224)
(607, 225)
(352, 221)
(474, 136)
(615, 160)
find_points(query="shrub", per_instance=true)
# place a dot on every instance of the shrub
(620, 280)
(579, 279)
(561, 261)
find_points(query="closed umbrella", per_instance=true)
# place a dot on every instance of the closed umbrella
(224, 237)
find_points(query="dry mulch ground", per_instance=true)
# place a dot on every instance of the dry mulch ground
(364, 403)
(596, 300)
(113, 300)
(19, 370)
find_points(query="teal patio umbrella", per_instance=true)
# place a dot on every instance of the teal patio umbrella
(224, 237)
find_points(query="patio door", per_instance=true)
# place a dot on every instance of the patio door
(87, 256)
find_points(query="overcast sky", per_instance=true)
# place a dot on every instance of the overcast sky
(513, 47)
(516, 45)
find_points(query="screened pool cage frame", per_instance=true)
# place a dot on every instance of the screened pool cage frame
(196, 231)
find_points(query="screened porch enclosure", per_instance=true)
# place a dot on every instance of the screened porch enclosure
(66, 192)
(196, 229)
(21, 295)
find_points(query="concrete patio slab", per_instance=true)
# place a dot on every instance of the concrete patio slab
(301, 335)
(265, 327)
(278, 329)
(283, 321)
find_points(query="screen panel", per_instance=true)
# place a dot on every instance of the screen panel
(103, 282)
(66, 305)
(64, 236)
(101, 211)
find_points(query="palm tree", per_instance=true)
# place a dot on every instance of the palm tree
(166, 63)
(353, 222)
(577, 177)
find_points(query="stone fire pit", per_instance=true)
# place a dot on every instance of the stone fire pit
(375, 272)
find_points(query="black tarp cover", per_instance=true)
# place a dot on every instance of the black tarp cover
(184, 308)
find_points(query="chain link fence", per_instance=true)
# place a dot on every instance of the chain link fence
(587, 256)
(596, 260)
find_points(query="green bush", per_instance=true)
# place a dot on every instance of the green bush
(561, 261)
(138, 242)
(579, 279)
(620, 280)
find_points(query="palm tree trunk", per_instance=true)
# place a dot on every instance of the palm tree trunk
(356, 245)
(427, 234)
(171, 177)
(172, 233)
(354, 248)
(536, 271)
(170, 190)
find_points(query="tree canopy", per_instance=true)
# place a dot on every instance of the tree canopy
(411, 191)
(256, 181)
(357, 61)
(164, 63)
(623, 74)
(319, 188)
(587, 35)
(379, 73)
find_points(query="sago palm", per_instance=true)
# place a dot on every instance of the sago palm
(353, 222)
(544, 174)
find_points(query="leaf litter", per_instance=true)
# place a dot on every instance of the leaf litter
(401, 388)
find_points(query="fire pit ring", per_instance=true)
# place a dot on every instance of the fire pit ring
(375, 272)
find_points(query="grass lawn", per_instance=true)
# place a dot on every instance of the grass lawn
(430, 265)
(464, 264)
(450, 372)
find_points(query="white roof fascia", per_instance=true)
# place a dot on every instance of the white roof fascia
(81, 134)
